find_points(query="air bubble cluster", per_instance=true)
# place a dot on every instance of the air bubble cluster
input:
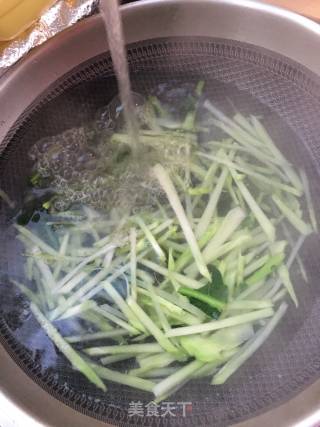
(87, 165)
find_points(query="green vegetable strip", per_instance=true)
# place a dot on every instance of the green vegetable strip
(262, 170)
(256, 241)
(29, 268)
(82, 264)
(230, 223)
(207, 370)
(74, 358)
(133, 262)
(248, 349)
(230, 282)
(117, 320)
(160, 372)
(296, 222)
(180, 302)
(297, 257)
(151, 327)
(241, 134)
(253, 149)
(279, 296)
(142, 371)
(212, 204)
(292, 175)
(236, 243)
(118, 377)
(123, 306)
(239, 242)
(36, 240)
(47, 280)
(255, 265)
(309, 200)
(233, 195)
(107, 260)
(96, 336)
(157, 361)
(62, 252)
(27, 292)
(260, 216)
(74, 282)
(165, 241)
(220, 324)
(243, 122)
(77, 295)
(162, 226)
(199, 88)
(186, 256)
(207, 181)
(199, 171)
(170, 310)
(102, 242)
(97, 320)
(123, 349)
(189, 212)
(213, 302)
(248, 170)
(77, 309)
(178, 247)
(249, 304)
(41, 290)
(268, 268)
(213, 249)
(183, 280)
(154, 244)
(240, 269)
(251, 290)
(285, 278)
(171, 261)
(155, 299)
(111, 309)
(4, 196)
(177, 378)
(256, 154)
(95, 290)
(161, 111)
(175, 203)
(108, 360)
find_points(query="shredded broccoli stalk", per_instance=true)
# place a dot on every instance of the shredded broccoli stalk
(297, 223)
(213, 302)
(248, 349)
(4, 196)
(173, 198)
(72, 339)
(171, 382)
(118, 377)
(220, 324)
(260, 216)
(120, 349)
(133, 262)
(212, 204)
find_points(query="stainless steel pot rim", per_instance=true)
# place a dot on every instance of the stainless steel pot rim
(279, 30)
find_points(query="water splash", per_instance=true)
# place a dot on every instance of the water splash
(111, 15)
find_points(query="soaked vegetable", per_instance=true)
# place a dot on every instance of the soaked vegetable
(177, 261)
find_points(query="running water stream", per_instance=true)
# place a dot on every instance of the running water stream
(112, 18)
